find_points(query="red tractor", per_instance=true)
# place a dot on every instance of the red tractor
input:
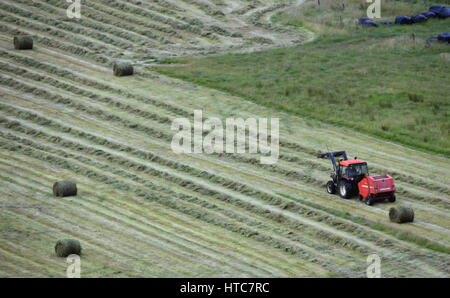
(351, 177)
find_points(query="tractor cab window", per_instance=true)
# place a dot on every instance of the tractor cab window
(343, 170)
(357, 170)
(353, 170)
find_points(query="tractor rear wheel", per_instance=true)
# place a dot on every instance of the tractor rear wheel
(392, 199)
(370, 200)
(331, 188)
(345, 189)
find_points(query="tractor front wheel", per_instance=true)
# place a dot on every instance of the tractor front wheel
(392, 199)
(345, 189)
(331, 188)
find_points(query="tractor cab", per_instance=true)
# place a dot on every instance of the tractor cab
(352, 169)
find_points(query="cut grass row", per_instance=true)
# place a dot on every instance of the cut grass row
(85, 93)
(94, 21)
(88, 38)
(142, 12)
(50, 41)
(73, 77)
(128, 22)
(420, 241)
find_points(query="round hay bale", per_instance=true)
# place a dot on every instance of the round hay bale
(23, 43)
(123, 69)
(64, 189)
(401, 214)
(67, 247)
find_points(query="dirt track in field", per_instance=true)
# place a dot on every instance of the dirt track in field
(143, 210)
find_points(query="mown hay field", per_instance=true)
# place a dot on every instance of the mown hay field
(143, 211)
